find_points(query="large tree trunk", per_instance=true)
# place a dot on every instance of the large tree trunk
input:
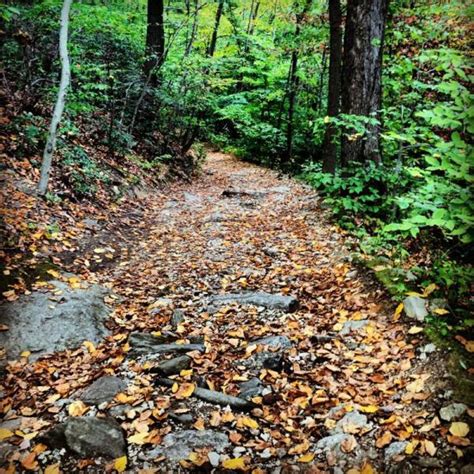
(293, 81)
(60, 101)
(155, 40)
(362, 75)
(334, 87)
(212, 45)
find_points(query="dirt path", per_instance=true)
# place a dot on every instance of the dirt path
(344, 387)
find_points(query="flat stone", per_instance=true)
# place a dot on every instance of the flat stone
(395, 449)
(332, 443)
(274, 342)
(251, 388)
(415, 308)
(102, 390)
(453, 411)
(146, 344)
(184, 418)
(89, 437)
(177, 318)
(178, 446)
(353, 326)
(352, 421)
(288, 304)
(173, 366)
(43, 326)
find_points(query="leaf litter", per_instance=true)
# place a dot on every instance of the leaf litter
(365, 387)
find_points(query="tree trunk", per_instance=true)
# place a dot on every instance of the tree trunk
(192, 36)
(155, 40)
(334, 87)
(60, 101)
(362, 75)
(293, 81)
(212, 45)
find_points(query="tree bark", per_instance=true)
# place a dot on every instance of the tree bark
(212, 45)
(293, 81)
(192, 36)
(362, 75)
(334, 87)
(60, 101)
(155, 40)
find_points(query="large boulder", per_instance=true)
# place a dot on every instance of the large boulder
(89, 437)
(42, 325)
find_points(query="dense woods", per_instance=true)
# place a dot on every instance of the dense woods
(369, 102)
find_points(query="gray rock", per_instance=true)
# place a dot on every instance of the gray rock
(102, 390)
(184, 418)
(288, 304)
(91, 223)
(177, 318)
(274, 342)
(146, 344)
(453, 411)
(352, 326)
(191, 198)
(415, 308)
(173, 366)
(271, 251)
(42, 326)
(251, 388)
(178, 446)
(352, 419)
(89, 437)
(213, 458)
(395, 449)
(332, 443)
(119, 411)
(265, 360)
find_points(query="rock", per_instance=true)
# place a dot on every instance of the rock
(251, 388)
(178, 446)
(265, 360)
(184, 418)
(453, 411)
(119, 411)
(191, 198)
(350, 326)
(173, 366)
(213, 458)
(91, 223)
(352, 421)
(239, 193)
(102, 390)
(89, 437)
(395, 449)
(415, 308)
(177, 318)
(212, 396)
(274, 342)
(146, 344)
(288, 304)
(332, 444)
(271, 251)
(42, 326)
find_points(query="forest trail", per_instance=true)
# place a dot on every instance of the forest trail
(335, 382)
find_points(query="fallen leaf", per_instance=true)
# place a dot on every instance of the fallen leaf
(383, 440)
(185, 390)
(458, 428)
(4, 434)
(369, 409)
(308, 457)
(52, 469)
(235, 463)
(139, 438)
(430, 447)
(398, 312)
(120, 464)
(77, 408)
(415, 330)
(29, 462)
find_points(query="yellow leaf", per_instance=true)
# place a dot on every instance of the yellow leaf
(185, 373)
(90, 346)
(338, 326)
(440, 311)
(77, 408)
(409, 448)
(4, 434)
(429, 289)
(185, 390)
(398, 312)
(415, 330)
(308, 457)
(138, 438)
(430, 447)
(236, 463)
(53, 273)
(120, 464)
(367, 469)
(52, 469)
(249, 423)
(458, 428)
(369, 409)
(25, 354)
